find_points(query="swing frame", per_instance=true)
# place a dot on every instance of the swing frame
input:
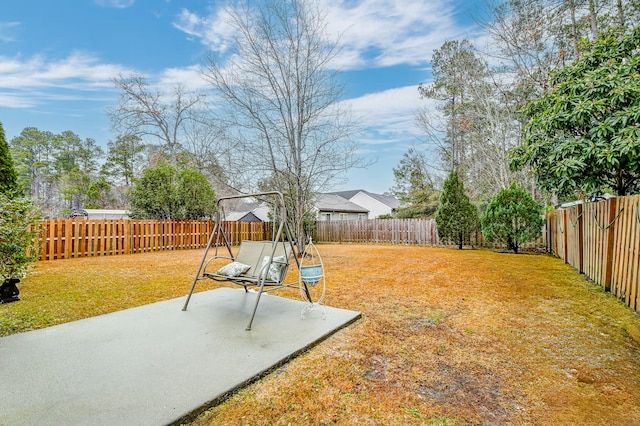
(260, 256)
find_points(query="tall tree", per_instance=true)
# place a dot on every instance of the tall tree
(33, 152)
(283, 99)
(583, 135)
(124, 157)
(8, 176)
(455, 68)
(76, 166)
(414, 186)
(456, 217)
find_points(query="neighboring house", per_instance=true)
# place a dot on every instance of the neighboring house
(101, 214)
(335, 207)
(249, 213)
(376, 204)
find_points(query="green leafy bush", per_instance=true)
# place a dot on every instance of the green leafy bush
(19, 243)
(164, 193)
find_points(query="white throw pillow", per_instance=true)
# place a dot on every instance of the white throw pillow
(275, 270)
(233, 269)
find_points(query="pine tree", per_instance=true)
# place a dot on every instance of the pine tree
(457, 217)
(8, 176)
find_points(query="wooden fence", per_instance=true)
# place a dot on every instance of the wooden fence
(392, 231)
(397, 231)
(67, 238)
(601, 240)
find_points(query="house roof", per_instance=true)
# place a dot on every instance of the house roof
(336, 203)
(247, 211)
(384, 199)
(243, 217)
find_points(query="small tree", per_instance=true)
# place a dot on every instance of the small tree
(512, 217)
(8, 176)
(456, 217)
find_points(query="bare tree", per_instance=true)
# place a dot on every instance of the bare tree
(144, 111)
(283, 100)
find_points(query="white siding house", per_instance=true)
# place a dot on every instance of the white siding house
(334, 207)
(376, 204)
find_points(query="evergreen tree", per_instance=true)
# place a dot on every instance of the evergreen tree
(512, 217)
(8, 176)
(414, 186)
(456, 217)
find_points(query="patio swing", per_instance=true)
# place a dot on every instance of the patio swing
(261, 265)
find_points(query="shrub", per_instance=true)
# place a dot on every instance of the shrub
(512, 217)
(18, 237)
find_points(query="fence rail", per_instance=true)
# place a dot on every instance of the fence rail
(67, 238)
(601, 240)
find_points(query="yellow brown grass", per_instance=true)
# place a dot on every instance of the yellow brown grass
(446, 337)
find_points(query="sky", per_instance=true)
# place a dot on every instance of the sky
(57, 59)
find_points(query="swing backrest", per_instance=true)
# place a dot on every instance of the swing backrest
(253, 253)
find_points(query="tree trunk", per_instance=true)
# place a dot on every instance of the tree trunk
(594, 19)
(574, 28)
(621, 20)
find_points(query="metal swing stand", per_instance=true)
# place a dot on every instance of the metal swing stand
(264, 263)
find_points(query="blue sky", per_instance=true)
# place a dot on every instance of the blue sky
(57, 59)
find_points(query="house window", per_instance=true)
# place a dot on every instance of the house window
(325, 216)
(362, 216)
(344, 216)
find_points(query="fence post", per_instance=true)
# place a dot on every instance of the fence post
(610, 242)
(566, 236)
(580, 235)
(549, 231)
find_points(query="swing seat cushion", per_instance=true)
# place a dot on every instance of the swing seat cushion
(233, 269)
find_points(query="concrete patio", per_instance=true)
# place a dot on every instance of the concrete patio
(154, 364)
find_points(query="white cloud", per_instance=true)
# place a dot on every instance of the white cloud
(213, 30)
(373, 33)
(31, 81)
(389, 32)
(118, 4)
(5, 31)
(389, 113)
(189, 78)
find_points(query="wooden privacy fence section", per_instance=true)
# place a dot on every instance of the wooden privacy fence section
(392, 231)
(67, 238)
(397, 231)
(601, 240)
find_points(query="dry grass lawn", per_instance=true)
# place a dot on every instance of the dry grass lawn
(447, 337)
